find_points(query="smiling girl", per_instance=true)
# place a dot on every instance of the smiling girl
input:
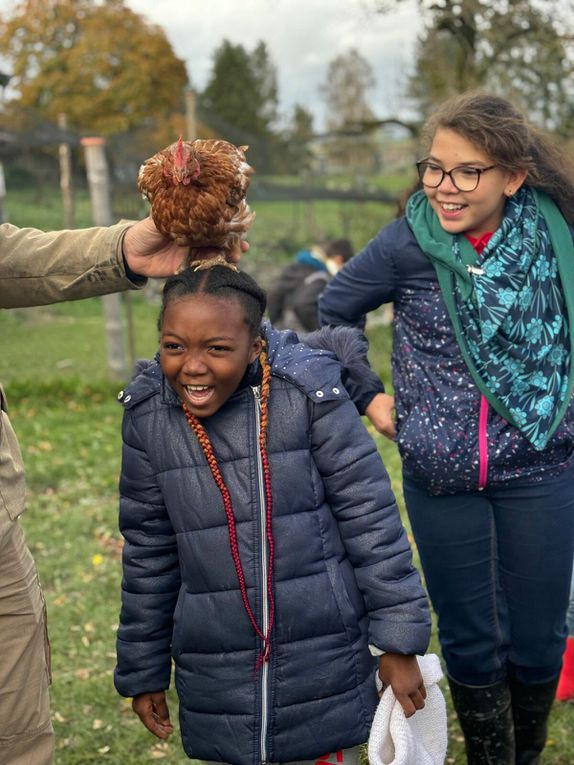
(264, 551)
(481, 274)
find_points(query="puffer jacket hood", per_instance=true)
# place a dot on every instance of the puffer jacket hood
(342, 576)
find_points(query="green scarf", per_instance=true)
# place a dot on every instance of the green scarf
(511, 307)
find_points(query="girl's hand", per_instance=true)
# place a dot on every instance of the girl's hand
(152, 710)
(149, 253)
(402, 673)
(381, 413)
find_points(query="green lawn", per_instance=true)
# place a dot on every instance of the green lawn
(68, 421)
(65, 412)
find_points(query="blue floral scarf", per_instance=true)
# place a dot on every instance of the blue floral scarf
(510, 307)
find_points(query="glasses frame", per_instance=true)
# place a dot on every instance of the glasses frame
(478, 170)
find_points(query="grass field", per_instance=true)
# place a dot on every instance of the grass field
(65, 412)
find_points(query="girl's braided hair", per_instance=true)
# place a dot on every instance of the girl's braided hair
(218, 281)
(497, 127)
(223, 282)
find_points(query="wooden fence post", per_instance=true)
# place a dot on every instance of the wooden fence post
(4, 80)
(99, 183)
(3, 212)
(65, 155)
(190, 115)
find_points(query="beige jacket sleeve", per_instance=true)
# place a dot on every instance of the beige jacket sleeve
(38, 268)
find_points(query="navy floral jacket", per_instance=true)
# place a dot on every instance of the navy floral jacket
(449, 438)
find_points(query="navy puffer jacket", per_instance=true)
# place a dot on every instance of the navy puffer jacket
(437, 402)
(343, 575)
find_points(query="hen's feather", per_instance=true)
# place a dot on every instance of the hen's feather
(197, 192)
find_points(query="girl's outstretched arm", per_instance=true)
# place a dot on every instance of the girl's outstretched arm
(402, 673)
(152, 710)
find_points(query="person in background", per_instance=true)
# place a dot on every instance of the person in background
(480, 273)
(39, 268)
(292, 302)
(276, 605)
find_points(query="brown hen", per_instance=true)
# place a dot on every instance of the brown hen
(197, 193)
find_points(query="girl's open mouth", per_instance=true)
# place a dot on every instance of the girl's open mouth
(198, 394)
(451, 209)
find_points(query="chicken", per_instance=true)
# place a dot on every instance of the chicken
(197, 193)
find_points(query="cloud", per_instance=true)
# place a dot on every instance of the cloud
(302, 37)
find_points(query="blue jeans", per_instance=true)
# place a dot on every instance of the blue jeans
(498, 566)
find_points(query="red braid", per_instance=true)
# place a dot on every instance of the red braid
(207, 448)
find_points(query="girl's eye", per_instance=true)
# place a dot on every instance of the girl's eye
(468, 172)
(220, 348)
(169, 346)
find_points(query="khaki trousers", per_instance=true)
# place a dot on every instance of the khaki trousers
(26, 734)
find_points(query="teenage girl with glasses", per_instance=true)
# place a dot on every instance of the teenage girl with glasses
(481, 273)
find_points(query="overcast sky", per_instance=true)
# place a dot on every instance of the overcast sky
(302, 37)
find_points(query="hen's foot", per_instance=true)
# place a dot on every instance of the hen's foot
(218, 260)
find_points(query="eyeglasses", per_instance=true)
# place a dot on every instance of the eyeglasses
(463, 178)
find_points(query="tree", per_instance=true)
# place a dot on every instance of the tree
(101, 64)
(265, 74)
(522, 49)
(296, 154)
(240, 99)
(301, 123)
(349, 78)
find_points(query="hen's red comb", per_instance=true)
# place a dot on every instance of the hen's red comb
(180, 153)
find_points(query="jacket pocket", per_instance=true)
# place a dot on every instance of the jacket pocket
(410, 435)
(12, 484)
(347, 612)
(177, 625)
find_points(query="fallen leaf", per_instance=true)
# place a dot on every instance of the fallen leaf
(159, 751)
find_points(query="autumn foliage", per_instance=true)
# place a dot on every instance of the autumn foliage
(102, 64)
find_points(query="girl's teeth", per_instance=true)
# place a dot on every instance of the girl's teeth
(452, 208)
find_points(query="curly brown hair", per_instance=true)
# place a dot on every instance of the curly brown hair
(498, 128)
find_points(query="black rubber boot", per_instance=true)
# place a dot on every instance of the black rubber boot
(531, 705)
(485, 717)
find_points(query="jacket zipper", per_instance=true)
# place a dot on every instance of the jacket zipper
(264, 572)
(482, 444)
